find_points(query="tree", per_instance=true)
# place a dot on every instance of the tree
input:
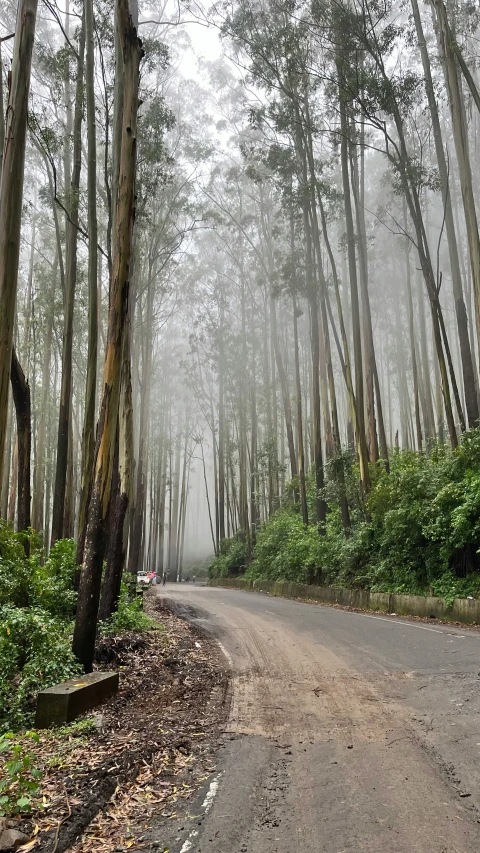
(90, 578)
(11, 194)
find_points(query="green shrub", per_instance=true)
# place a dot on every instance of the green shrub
(418, 531)
(33, 581)
(285, 549)
(19, 783)
(35, 653)
(129, 615)
(37, 604)
(15, 569)
(53, 582)
(232, 559)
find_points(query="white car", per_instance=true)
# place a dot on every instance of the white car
(143, 579)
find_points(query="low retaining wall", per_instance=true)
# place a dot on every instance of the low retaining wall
(464, 610)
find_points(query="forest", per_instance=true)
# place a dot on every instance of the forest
(240, 306)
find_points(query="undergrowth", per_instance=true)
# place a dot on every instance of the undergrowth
(417, 532)
(128, 617)
(37, 609)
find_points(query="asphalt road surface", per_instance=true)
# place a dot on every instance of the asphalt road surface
(347, 731)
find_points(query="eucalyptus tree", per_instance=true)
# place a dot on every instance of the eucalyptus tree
(453, 65)
(64, 436)
(468, 369)
(11, 195)
(90, 578)
(88, 438)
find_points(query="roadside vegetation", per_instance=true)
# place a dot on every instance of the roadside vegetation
(417, 531)
(37, 609)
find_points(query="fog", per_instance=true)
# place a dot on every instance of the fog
(304, 274)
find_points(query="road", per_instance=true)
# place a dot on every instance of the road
(347, 731)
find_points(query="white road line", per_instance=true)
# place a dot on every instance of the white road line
(206, 806)
(227, 654)
(211, 793)
(413, 625)
(188, 844)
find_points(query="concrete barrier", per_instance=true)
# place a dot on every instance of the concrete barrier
(463, 610)
(66, 701)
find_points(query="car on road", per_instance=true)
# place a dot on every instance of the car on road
(143, 579)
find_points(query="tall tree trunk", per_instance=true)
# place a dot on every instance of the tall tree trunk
(161, 511)
(2, 114)
(411, 330)
(174, 504)
(6, 467)
(123, 468)
(312, 296)
(352, 269)
(412, 198)
(11, 197)
(284, 387)
(468, 370)
(298, 388)
(321, 508)
(90, 579)
(428, 417)
(71, 239)
(13, 484)
(21, 399)
(367, 331)
(183, 499)
(135, 559)
(460, 136)
(39, 477)
(221, 424)
(88, 437)
(243, 480)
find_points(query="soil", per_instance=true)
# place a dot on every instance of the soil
(151, 746)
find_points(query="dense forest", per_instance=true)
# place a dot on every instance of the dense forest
(240, 304)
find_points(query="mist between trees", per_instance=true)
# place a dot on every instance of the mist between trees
(240, 314)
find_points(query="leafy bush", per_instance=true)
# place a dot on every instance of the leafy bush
(20, 780)
(33, 582)
(53, 582)
(15, 569)
(417, 532)
(232, 559)
(34, 654)
(129, 615)
(286, 549)
(37, 604)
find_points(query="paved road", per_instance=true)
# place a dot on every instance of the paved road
(348, 732)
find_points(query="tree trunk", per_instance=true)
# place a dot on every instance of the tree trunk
(6, 467)
(352, 268)
(135, 560)
(21, 399)
(39, 478)
(71, 239)
(367, 332)
(411, 330)
(221, 425)
(284, 387)
(88, 437)
(469, 379)
(11, 197)
(298, 387)
(13, 484)
(460, 136)
(90, 580)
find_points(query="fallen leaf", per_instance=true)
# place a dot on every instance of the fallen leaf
(29, 846)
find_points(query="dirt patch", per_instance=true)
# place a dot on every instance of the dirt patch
(151, 745)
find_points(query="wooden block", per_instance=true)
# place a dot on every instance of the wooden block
(64, 702)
